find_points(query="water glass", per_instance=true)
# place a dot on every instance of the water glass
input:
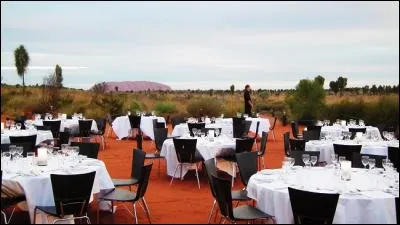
(341, 159)
(365, 161)
(18, 126)
(314, 160)
(217, 133)
(31, 157)
(371, 163)
(306, 158)
(334, 158)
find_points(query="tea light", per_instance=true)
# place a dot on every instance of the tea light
(305, 128)
(345, 167)
(211, 133)
(42, 156)
(343, 123)
(359, 135)
(2, 126)
(64, 116)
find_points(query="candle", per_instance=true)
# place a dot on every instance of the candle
(2, 126)
(305, 128)
(211, 133)
(343, 123)
(64, 116)
(345, 167)
(42, 156)
(359, 135)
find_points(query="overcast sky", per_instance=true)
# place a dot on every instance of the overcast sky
(203, 44)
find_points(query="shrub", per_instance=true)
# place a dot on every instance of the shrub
(134, 106)
(165, 108)
(205, 106)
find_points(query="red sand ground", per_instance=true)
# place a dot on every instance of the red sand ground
(182, 202)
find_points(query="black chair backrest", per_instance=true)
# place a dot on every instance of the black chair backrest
(248, 165)
(143, 181)
(198, 126)
(90, 149)
(354, 131)
(160, 135)
(69, 116)
(134, 121)
(101, 125)
(28, 142)
(286, 143)
(205, 130)
(393, 155)
(72, 192)
(84, 127)
(247, 125)
(177, 120)
(137, 163)
(38, 127)
(310, 207)
(244, 145)
(263, 143)
(157, 124)
(64, 137)
(54, 127)
(185, 149)
(274, 123)
(21, 120)
(313, 133)
(346, 150)
(238, 127)
(298, 156)
(211, 169)
(357, 163)
(297, 144)
(295, 128)
(223, 193)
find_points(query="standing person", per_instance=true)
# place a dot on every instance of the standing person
(248, 104)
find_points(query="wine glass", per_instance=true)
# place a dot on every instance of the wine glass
(365, 160)
(314, 160)
(385, 163)
(194, 131)
(8, 123)
(341, 159)
(217, 132)
(334, 158)
(18, 125)
(306, 158)
(5, 158)
(371, 163)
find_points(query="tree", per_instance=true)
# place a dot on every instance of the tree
(320, 79)
(341, 83)
(365, 89)
(381, 89)
(232, 89)
(374, 89)
(334, 86)
(59, 78)
(21, 63)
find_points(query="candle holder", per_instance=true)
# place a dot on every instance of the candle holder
(42, 157)
(345, 169)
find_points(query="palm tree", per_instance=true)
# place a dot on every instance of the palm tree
(21, 63)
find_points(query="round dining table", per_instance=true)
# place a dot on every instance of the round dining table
(41, 135)
(366, 198)
(71, 124)
(121, 126)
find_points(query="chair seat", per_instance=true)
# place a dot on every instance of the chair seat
(240, 195)
(153, 156)
(51, 210)
(125, 182)
(246, 212)
(118, 194)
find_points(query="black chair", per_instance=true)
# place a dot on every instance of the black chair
(354, 131)
(248, 165)
(224, 199)
(85, 127)
(109, 121)
(135, 124)
(247, 125)
(295, 129)
(298, 156)
(239, 195)
(346, 150)
(238, 127)
(272, 128)
(197, 126)
(38, 127)
(28, 142)
(122, 195)
(101, 126)
(69, 199)
(160, 135)
(313, 134)
(263, 147)
(315, 128)
(90, 149)
(393, 155)
(312, 208)
(138, 157)
(54, 127)
(177, 120)
(21, 120)
(297, 144)
(206, 130)
(157, 124)
(8, 199)
(64, 137)
(186, 154)
(357, 163)
(286, 143)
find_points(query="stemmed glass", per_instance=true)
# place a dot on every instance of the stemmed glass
(306, 159)
(386, 164)
(12, 150)
(334, 158)
(365, 160)
(341, 159)
(194, 131)
(217, 133)
(371, 163)
(20, 151)
(314, 160)
(5, 158)
(18, 125)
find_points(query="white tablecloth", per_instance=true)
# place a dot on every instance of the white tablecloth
(206, 148)
(72, 124)
(362, 199)
(226, 125)
(35, 181)
(121, 126)
(336, 130)
(42, 135)
(368, 147)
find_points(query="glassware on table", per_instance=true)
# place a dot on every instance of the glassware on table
(31, 157)
(365, 160)
(314, 160)
(194, 131)
(371, 163)
(18, 126)
(341, 159)
(8, 123)
(306, 158)
(217, 132)
(334, 158)
(222, 115)
(385, 163)
(5, 158)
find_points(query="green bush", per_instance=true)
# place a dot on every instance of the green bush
(164, 108)
(205, 106)
(134, 106)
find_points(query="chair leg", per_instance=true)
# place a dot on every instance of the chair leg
(146, 210)
(5, 217)
(159, 166)
(233, 173)
(181, 165)
(174, 174)
(263, 162)
(212, 211)
(103, 142)
(197, 176)
(134, 211)
(273, 135)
